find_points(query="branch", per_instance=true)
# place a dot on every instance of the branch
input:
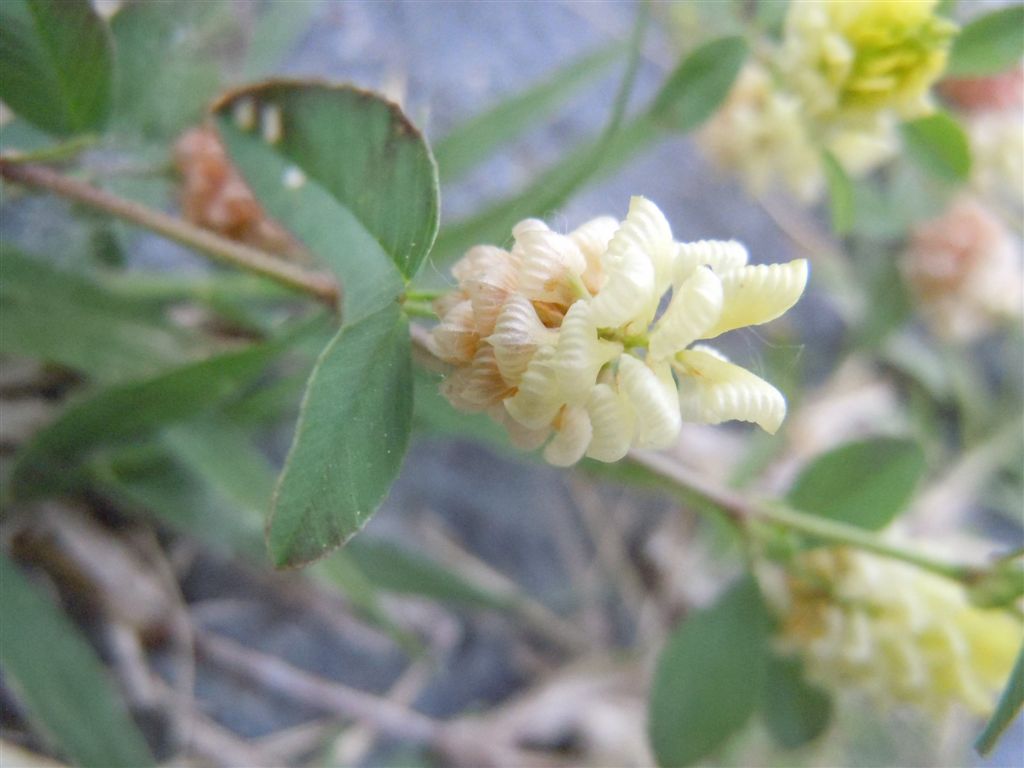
(318, 285)
(270, 672)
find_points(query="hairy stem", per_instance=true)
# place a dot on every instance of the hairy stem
(320, 286)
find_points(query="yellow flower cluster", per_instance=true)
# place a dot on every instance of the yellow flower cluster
(850, 59)
(563, 338)
(846, 72)
(894, 631)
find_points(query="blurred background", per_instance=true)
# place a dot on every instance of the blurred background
(524, 602)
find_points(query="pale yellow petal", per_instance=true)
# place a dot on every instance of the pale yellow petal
(720, 255)
(646, 229)
(522, 438)
(539, 398)
(480, 260)
(628, 292)
(755, 295)
(517, 334)
(581, 354)
(695, 307)
(571, 439)
(592, 239)
(712, 390)
(655, 400)
(548, 262)
(613, 423)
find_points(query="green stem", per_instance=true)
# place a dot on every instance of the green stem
(744, 513)
(322, 287)
(419, 309)
(848, 535)
(418, 294)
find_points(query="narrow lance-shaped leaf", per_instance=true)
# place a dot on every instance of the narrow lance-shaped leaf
(153, 480)
(709, 677)
(1009, 706)
(347, 173)
(474, 140)
(989, 44)
(56, 58)
(46, 463)
(700, 83)
(350, 440)
(865, 483)
(939, 146)
(840, 194)
(158, 102)
(62, 317)
(690, 95)
(61, 681)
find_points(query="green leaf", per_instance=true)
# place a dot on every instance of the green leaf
(989, 44)
(47, 463)
(351, 437)
(939, 146)
(476, 139)
(347, 173)
(275, 30)
(62, 683)
(156, 481)
(62, 317)
(390, 567)
(794, 711)
(865, 483)
(158, 102)
(1008, 707)
(700, 83)
(840, 194)
(56, 61)
(204, 478)
(709, 677)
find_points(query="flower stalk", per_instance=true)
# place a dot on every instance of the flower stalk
(320, 286)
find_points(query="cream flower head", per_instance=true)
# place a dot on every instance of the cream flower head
(892, 630)
(563, 338)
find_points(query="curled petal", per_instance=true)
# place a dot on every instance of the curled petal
(592, 239)
(612, 422)
(522, 438)
(538, 400)
(488, 293)
(548, 262)
(517, 334)
(455, 339)
(572, 436)
(713, 390)
(646, 229)
(479, 261)
(652, 393)
(695, 307)
(581, 354)
(479, 385)
(720, 255)
(755, 295)
(628, 292)
(448, 301)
